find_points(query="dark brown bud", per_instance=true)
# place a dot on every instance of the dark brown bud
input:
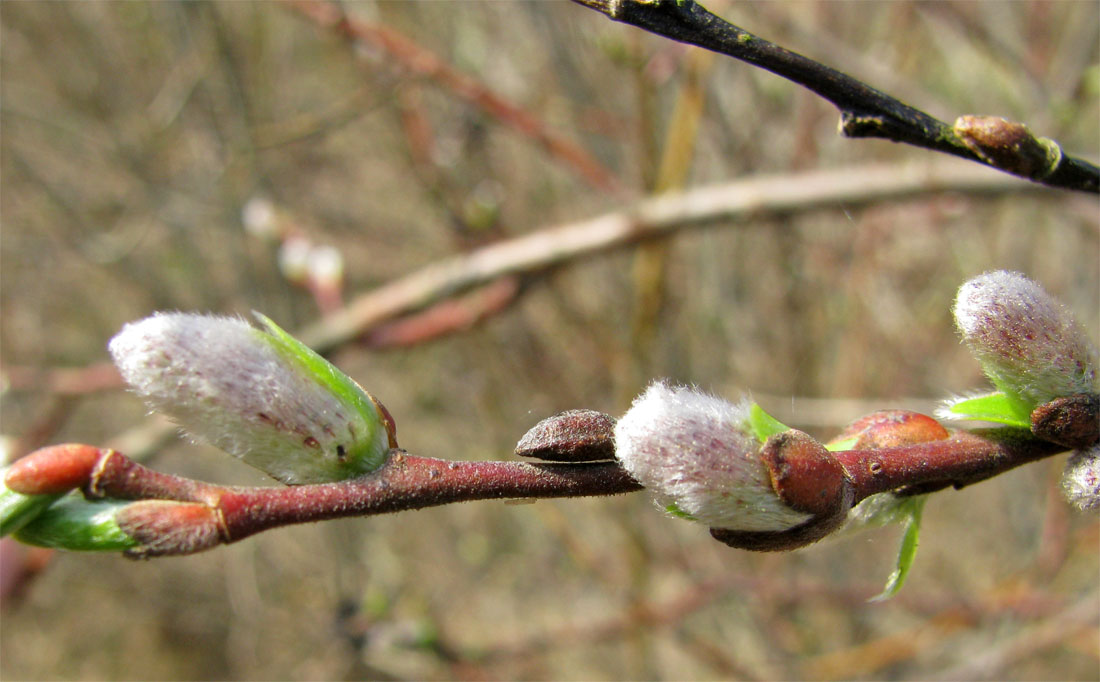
(1072, 421)
(1007, 145)
(573, 436)
(781, 540)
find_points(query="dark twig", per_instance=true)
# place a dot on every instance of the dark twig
(864, 111)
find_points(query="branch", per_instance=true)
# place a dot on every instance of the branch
(648, 219)
(221, 515)
(864, 111)
(418, 60)
(173, 515)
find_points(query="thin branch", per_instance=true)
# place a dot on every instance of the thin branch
(63, 381)
(648, 219)
(418, 60)
(864, 111)
(222, 514)
(373, 312)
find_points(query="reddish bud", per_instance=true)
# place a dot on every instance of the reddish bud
(164, 528)
(890, 429)
(53, 470)
(806, 475)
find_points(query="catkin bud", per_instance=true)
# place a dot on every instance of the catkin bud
(260, 395)
(1081, 479)
(1029, 345)
(699, 456)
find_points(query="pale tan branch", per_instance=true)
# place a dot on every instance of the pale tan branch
(649, 219)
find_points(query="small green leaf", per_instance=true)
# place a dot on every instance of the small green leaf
(763, 425)
(77, 524)
(17, 510)
(993, 407)
(674, 509)
(908, 551)
(841, 445)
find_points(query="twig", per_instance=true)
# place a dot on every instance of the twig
(648, 219)
(221, 514)
(63, 381)
(446, 317)
(421, 61)
(991, 663)
(864, 111)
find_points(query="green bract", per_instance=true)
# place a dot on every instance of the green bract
(17, 510)
(993, 407)
(77, 524)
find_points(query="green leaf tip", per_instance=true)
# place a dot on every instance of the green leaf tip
(17, 510)
(997, 407)
(674, 509)
(763, 425)
(907, 553)
(76, 524)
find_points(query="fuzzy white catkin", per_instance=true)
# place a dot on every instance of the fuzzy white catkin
(697, 451)
(226, 384)
(1081, 479)
(1024, 339)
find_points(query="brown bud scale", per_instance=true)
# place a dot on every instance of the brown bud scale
(804, 474)
(573, 436)
(1007, 145)
(1072, 421)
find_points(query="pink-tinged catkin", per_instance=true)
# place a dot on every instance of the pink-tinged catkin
(699, 453)
(233, 386)
(1081, 479)
(1027, 343)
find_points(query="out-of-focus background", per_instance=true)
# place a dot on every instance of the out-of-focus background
(135, 135)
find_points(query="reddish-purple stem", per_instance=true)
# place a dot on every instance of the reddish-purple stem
(964, 458)
(218, 514)
(405, 482)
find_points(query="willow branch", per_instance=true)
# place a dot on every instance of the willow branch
(581, 450)
(222, 514)
(864, 111)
